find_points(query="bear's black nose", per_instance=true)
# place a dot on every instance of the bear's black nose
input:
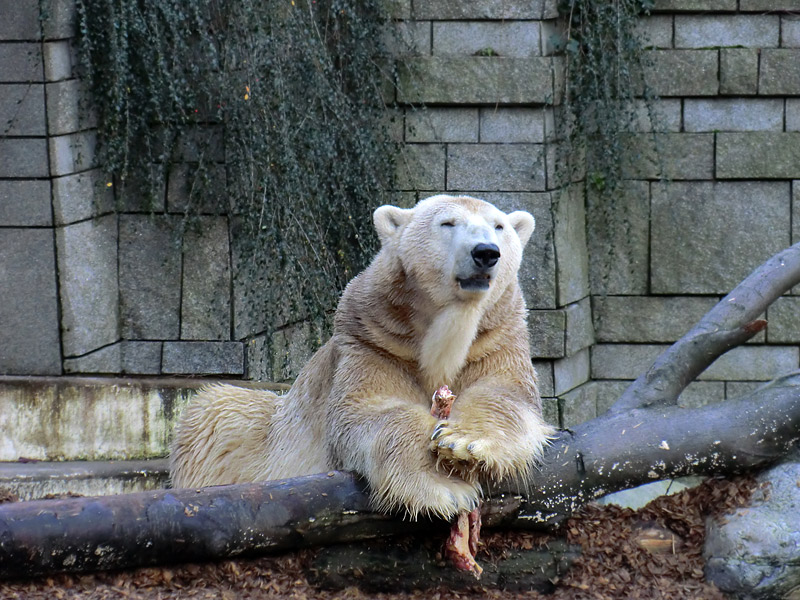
(485, 255)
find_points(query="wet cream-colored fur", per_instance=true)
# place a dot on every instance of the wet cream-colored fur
(424, 313)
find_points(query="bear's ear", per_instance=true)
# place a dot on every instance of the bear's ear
(389, 220)
(523, 223)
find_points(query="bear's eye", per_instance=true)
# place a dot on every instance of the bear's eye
(499, 227)
(448, 224)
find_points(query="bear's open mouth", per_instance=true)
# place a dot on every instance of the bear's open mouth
(478, 282)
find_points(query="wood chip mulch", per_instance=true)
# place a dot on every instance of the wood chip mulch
(615, 562)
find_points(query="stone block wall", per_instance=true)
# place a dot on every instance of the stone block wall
(89, 287)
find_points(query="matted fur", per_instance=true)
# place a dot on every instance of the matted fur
(404, 327)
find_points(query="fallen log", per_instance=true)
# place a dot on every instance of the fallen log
(644, 437)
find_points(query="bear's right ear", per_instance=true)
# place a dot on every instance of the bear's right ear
(389, 220)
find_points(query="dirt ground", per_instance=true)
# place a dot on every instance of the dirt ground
(651, 553)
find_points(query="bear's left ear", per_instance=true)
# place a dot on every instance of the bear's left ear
(523, 223)
(389, 220)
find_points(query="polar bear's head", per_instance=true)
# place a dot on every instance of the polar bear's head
(456, 247)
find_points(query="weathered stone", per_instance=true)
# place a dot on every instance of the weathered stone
(404, 38)
(570, 372)
(783, 321)
(578, 406)
(654, 31)
(22, 109)
(512, 125)
(490, 9)
(29, 337)
(442, 125)
(647, 318)
(623, 361)
(203, 358)
(695, 5)
(88, 281)
(700, 393)
(23, 157)
(572, 266)
(537, 274)
(420, 167)
(550, 411)
(758, 155)
(793, 114)
(660, 115)
(282, 356)
(72, 153)
(759, 5)
(60, 18)
(25, 202)
(618, 240)
(68, 108)
(20, 21)
(475, 80)
(738, 71)
(755, 551)
(683, 72)
(544, 375)
(753, 363)
(546, 329)
(780, 72)
(580, 330)
(673, 156)
(608, 392)
(21, 62)
(510, 167)
(728, 114)
(150, 277)
(517, 39)
(795, 212)
(205, 300)
(737, 389)
(692, 250)
(790, 31)
(59, 60)
(210, 187)
(703, 31)
(81, 196)
(131, 358)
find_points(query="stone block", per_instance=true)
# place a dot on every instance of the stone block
(692, 250)
(550, 411)
(656, 115)
(570, 372)
(578, 406)
(203, 358)
(488, 9)
(59, 19)
(618, 239)
(783, 318)
(608, 392)
(758, 155)
(442, 125)
(753, 363)
(695, 5)
(704, 31)
(205, 298)
(81, 196)
(683, 72)
(580, 330)
(420, 167)
(22, 109)
(512, 125)
(544, 377)
(771, 5)
(792, 114)
(60, 60)
(623, 361)
(475, 80)
(129, 358)
(537, 274)
(72, 153)
(673, 156)
(701, 393)
(281, 357)
(546, 329)
(29, 338)
(517, 39)
(655, 31)
(739, 389)
(21, 62)
(729, 114)
(790, 31)
(23, 157)
(68, 108)
(150, 277)
(795, 212)
(25, 203)
(647, 319)
(404, 38)
(20, 21)
(496, 167)
(572, 264)
(88, 281)
(780, 72)
(211, 183)
(738, 71)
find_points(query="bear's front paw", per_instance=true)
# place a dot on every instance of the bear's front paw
(458, 451)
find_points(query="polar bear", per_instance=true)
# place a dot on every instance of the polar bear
(440, 304)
